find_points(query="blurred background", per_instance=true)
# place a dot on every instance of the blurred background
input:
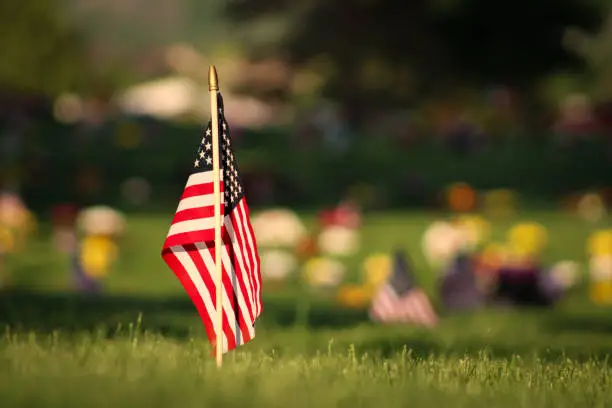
(404, 115)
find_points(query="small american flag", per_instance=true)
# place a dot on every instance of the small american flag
(189, 249)
(399, 300)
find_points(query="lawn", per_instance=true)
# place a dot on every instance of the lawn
(143, 344)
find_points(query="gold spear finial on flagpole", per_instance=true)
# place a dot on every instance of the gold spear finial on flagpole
(213, 79)
(213, 87)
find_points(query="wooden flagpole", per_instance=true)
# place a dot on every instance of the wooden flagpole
(213, 88)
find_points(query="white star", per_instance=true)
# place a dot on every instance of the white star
(201, 154)
(221, 110)
(208, 160)
(196, 163)
(208, 146)
(208, 132)
(228, 163)
(224, 127)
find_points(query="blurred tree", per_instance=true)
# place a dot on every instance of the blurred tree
(399, 51)
(41, 51)
(596, 51)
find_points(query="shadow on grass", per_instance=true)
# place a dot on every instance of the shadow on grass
(175, 316)
(599, 322)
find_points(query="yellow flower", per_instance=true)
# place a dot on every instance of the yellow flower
(354, 296)
(600, 243)
(474, 228)
(98, 253)
(527, 239)
(601, 292)
(376, 269)
(323, 272)
(7, 241)
(494, 255)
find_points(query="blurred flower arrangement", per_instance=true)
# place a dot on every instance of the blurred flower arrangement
(599, 250)
(17, 221)
(376, 269)
(100, 228)
(17, 226)
(337, 239)
(527, 239)
(286, 246)
(444, 242)
(278, 233)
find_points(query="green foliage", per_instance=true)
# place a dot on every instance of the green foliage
(536, 168)
(422, 48)
(41, 50)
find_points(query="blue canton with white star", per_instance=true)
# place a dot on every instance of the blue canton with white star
(203, 162)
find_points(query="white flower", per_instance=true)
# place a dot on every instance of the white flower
(277, 264)
(600, 268)
(566, 273)
(339, 241)
(101, 220)
(324, 272)
(278, 227)
(441, 242)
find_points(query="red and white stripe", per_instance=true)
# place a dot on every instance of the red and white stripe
(189, 250)
(413, 307)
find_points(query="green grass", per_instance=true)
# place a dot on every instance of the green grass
(143, 345)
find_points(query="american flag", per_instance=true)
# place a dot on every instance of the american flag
(399, 300)
(189, 249)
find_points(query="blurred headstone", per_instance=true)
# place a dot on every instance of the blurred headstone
(459, 290)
